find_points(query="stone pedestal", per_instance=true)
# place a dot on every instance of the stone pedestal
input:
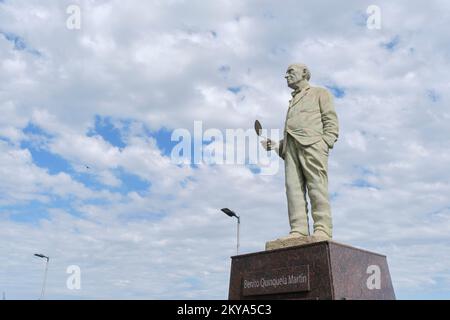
(320, 270)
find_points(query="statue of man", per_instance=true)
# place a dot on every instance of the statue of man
(311, 129)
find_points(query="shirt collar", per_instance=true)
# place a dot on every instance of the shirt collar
(297, 91)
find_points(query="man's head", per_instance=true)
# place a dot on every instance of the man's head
(296, 73)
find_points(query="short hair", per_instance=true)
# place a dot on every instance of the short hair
(302, 67)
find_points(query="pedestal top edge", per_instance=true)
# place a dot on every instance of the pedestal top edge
(319, 243)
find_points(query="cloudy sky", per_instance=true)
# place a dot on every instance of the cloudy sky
(86, 174)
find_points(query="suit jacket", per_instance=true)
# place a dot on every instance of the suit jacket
(310, 118)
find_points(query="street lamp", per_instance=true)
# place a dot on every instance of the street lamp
(45, 274)
(231, 214)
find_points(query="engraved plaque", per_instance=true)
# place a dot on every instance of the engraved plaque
(283, 280)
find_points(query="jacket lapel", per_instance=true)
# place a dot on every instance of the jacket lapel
(299, 97)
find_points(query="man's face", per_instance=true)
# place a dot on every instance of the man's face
(293, 77)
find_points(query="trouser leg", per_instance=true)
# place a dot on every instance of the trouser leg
(314, 163)
(295, 189)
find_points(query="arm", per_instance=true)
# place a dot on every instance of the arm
(329, 118)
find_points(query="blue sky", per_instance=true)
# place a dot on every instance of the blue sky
(87, 119)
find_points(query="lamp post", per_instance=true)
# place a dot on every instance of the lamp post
(45, 274)
(231, 214)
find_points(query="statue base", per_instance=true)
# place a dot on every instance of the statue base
(319, 270)
(290, 242)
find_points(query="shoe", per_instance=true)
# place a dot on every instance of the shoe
(320, 236)
(292, 235)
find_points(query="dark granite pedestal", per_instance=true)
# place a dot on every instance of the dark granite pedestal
(321, 270)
